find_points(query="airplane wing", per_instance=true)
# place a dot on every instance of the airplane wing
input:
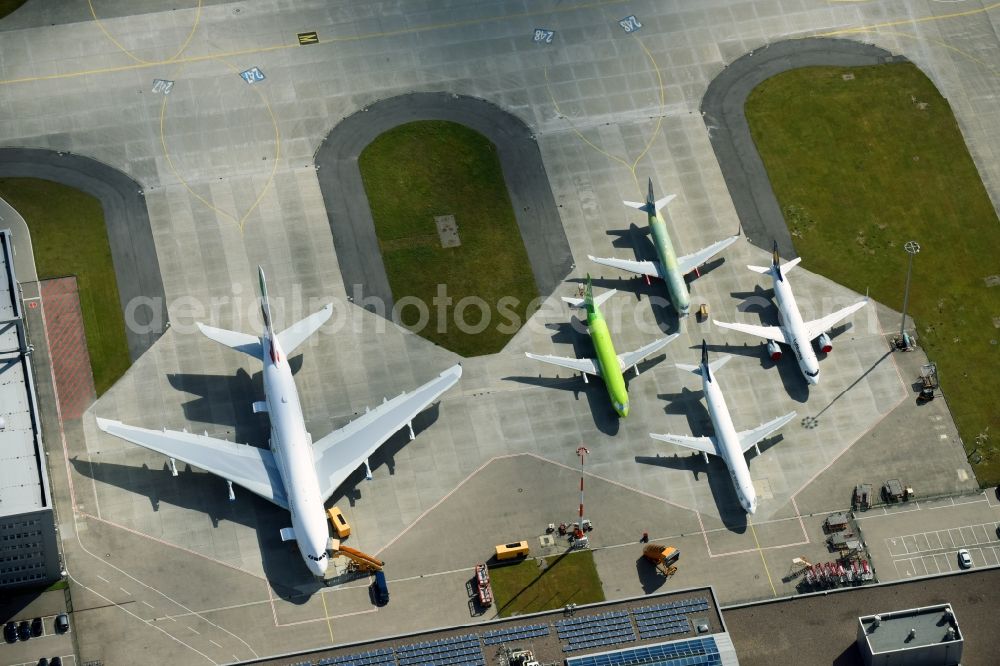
(689, 262)
(247, 466)
(750, 437)
(579, 364)
(342, 451)
(629, 359)
(700, 444)
(817, 326)
(775, 333)
(650, 268)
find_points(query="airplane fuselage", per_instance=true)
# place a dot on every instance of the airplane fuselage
(794, 329)
(729, 444)
(676, 286)
(607, 361)
(291, 445)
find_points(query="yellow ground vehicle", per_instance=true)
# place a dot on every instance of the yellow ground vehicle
(510, 551)
(340, 525)
(663, 557)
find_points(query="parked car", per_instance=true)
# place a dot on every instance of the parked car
(380, 589)
(24, 630)
(964, 559)
(10, 632)
(36, 627)
(62, 623)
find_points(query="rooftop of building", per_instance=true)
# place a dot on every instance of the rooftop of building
(23, 482)
(911, 628)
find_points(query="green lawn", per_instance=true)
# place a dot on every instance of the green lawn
(420, 170)
(861, 166)
(527, 588)
(8, 6)
(69, 237)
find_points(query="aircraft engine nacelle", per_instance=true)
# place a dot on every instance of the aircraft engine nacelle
(774, 350)
(825, 345)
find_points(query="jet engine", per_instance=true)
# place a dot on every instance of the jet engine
(825, 345)
(774, 350)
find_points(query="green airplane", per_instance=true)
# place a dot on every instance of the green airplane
(607, 365)
(668, 266)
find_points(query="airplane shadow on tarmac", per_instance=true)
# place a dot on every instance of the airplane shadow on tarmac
(207, 493)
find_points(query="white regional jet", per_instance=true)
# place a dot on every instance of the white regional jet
(726, 442)
(295, 473)
(794, 332)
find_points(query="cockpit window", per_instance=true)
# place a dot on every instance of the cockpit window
(317, 558)
(813, 374)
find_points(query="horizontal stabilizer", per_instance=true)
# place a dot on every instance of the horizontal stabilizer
(598, 300)
(242, 342)
(790, 265)
(297, 333)
(760, 269)
(712, 367)
(288, 534)
(643, 206)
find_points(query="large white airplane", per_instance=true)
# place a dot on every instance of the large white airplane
(726, 442)
(295, 473)
(668, 267)
(792, 331)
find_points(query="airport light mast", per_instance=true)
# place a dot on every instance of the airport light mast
(579, 533)
(911, 247)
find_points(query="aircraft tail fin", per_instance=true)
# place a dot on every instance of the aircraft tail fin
(265, 307)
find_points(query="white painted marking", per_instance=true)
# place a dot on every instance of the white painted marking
(104, 579)
(125, 591)
(194, 630)
(214, 643)
(148, 604)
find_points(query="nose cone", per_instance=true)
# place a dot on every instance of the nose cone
(750, 506)
(622, 408)
(316, 567)
(813, 379)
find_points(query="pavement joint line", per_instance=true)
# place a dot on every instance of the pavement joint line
(183, 47)
(910, 21)
(763, 561)
(333, 40)
(241, 221)
(332, 617)
(140, 619)
(326, 616)
(167, 543)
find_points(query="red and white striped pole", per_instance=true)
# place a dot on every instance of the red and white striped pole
(582, 452)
